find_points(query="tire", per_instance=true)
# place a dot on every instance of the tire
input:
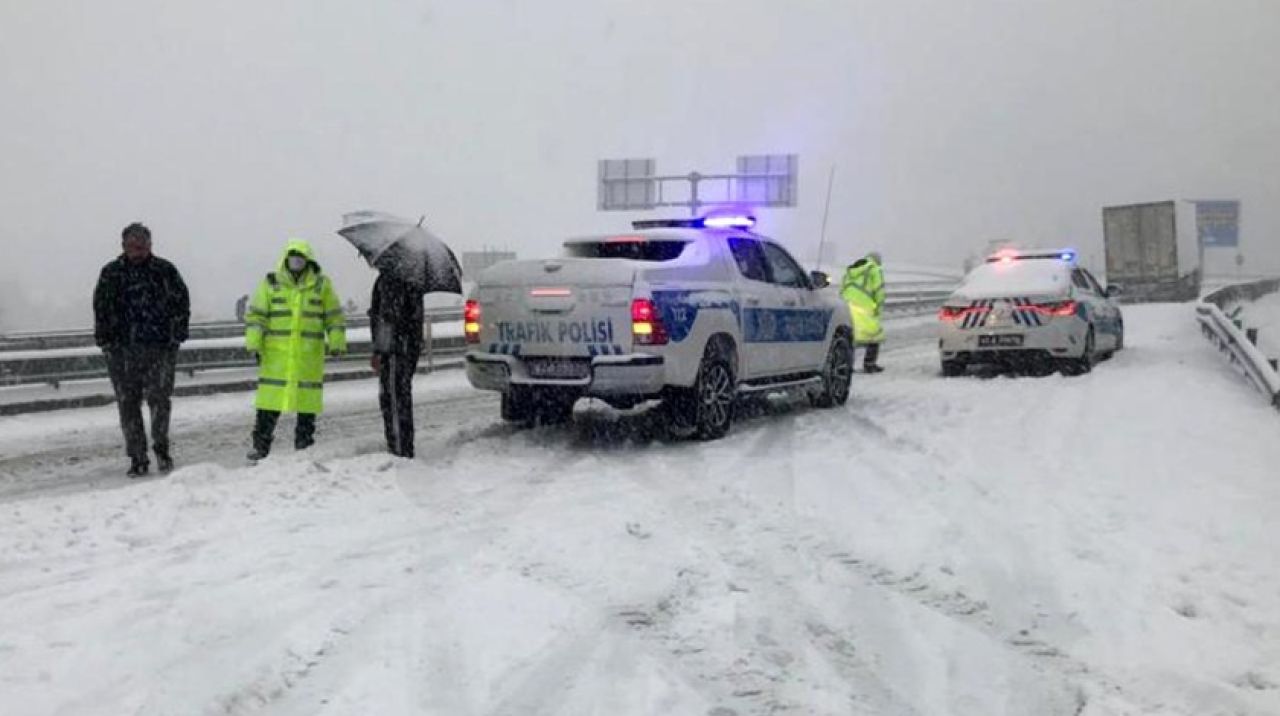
(551, 409)
(517, 406)
(837, 374)
(706, 410)
(1083, 364)
(953, 368)
(1120, 339)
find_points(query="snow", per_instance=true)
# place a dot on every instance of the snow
(1026, 277)
(1099, 545)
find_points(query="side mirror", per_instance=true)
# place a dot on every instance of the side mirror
(819, 279)
(1115, 289)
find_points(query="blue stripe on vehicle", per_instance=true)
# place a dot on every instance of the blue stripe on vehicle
(785, 325)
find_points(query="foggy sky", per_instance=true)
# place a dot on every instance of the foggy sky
(230, 127)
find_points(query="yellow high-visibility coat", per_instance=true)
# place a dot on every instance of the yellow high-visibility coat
(291, 324)
(863, 289)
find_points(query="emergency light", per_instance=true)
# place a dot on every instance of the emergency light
(717, 221)
(729, 222)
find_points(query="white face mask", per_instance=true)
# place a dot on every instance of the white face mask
(297, 263)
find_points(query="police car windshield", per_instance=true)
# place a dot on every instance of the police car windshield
(626, 248)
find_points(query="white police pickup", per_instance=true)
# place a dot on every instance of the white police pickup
(692, 312)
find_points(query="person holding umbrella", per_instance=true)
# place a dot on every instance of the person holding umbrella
(294, 319)
(411, 262)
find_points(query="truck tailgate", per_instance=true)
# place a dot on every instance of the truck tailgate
(557, 309)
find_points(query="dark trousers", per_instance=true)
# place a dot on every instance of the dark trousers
(870, 354)
(395, 396)
(264, 430)
(138, 373)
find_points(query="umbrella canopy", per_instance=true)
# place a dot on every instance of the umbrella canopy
(404, 248)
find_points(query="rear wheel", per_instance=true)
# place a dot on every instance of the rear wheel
(837, 374)
(1083, 364)
(705, 410)
(517, 405)
(953, 368)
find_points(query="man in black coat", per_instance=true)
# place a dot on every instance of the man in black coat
(395, 319)
(141, 312)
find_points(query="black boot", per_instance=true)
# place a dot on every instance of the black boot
(164, 463)
(139, 467)
(869, 359)
(304, 435)
(264, 428)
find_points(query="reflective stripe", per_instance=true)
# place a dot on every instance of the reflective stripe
(279, 299)
(334, 312)
(312, 314)
(256, 312)
(315, 301)
(275, 382)
(316, 335)
(255, 325)
(279, 314)
(308, 385)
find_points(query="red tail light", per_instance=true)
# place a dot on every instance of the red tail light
(646, 324)
(951, 313)
(471, 321)
(1059, 308)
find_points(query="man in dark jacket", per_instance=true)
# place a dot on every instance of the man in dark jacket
(395, 319)
(141, 312)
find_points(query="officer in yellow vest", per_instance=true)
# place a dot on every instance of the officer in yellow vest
(863, 289)
(294, 319)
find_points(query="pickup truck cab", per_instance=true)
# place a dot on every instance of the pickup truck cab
(692, 312)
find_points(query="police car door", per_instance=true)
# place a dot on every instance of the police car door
(802, 320)
(759, 301)
(1107, 321)
(1093, 310)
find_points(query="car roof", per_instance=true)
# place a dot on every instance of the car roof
(1021, 277)
(669, 234)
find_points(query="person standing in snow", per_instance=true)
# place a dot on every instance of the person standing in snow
(395, 320)
(141, 315)
(294, 319)
(863, 289)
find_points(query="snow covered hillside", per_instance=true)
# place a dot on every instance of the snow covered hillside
(1100, 545)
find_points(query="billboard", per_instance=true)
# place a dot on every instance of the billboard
(767, 179)
(626, 185)
(1218, 223)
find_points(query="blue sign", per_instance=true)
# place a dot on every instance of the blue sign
(1218, 223)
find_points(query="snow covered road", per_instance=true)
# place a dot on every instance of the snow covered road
(1096, 545)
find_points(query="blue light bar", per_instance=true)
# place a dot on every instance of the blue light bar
(722, 221)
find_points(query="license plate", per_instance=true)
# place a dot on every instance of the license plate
(1000, 341)
(558, 368)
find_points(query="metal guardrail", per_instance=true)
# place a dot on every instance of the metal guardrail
(54, 369)
(83, 337)
(1232, 339)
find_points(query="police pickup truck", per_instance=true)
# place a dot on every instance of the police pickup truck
(692, 312)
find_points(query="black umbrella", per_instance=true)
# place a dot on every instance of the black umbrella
(405, 249)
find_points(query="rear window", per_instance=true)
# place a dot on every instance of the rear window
(1020, 276)
(659, 250)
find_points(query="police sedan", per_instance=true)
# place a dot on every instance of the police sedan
(1036, 310)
